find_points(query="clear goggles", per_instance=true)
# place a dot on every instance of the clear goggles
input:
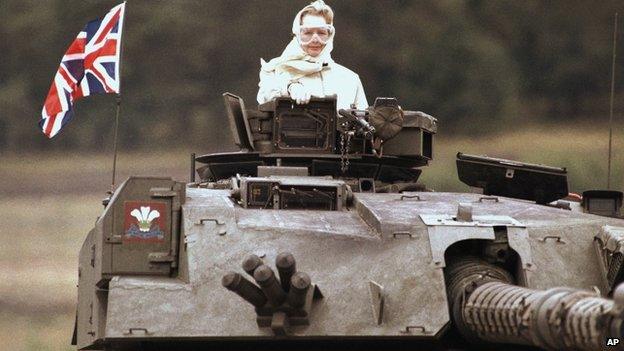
(322, 33)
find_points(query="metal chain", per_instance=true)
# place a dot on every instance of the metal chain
(347, 149)
(343, 167)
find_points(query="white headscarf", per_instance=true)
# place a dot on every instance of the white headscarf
(294, 63)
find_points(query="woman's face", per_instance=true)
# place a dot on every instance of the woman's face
(314, 35)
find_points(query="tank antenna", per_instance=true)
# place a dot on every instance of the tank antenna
(615, 20)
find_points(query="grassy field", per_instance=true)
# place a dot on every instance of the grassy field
(48, 205)
(49, 202)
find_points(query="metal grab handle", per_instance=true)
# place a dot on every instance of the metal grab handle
(204, 220)
(410, 197)
(408, 329)
(490, 198)
(555, 237)
(132, 330)
(402, 234)
(217, 222)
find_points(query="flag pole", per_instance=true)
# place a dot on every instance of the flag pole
(115, 142)
(118, 101)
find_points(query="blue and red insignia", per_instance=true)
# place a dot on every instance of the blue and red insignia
(145, 221)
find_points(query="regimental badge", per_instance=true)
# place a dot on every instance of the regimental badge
(144, 221)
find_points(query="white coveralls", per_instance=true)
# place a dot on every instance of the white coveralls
(320, 75)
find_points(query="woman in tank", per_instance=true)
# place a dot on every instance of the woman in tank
(306, 68)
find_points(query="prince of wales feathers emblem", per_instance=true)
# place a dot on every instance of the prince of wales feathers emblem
(145, 227)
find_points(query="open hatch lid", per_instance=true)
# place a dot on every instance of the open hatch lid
(239, 125)
(527, 181)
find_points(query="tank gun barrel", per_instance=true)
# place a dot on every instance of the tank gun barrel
(486, 305)
(358, 119)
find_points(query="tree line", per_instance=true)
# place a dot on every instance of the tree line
(477, 65)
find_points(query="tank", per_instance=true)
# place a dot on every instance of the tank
(317, 234)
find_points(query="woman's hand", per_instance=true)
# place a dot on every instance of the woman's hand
(299, 93)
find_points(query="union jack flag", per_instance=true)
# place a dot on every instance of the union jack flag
(90, 66)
